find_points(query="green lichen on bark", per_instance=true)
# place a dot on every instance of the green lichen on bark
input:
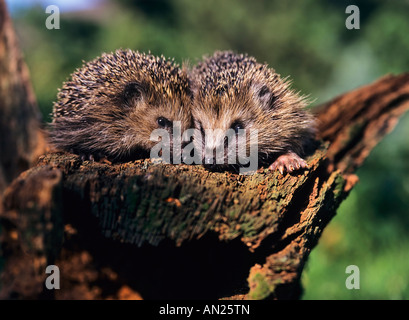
(143, 201)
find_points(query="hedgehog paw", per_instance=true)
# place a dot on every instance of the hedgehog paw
(288, 162)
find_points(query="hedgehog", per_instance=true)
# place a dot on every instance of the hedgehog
(111, 105)
(233, 93)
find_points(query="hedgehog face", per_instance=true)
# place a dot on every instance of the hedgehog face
(233, 92)
(112, 105)
(227, 128)
(150, 110)
(264, 119)
(128, 118)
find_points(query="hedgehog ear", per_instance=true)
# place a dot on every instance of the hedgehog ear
(264, 95)
(132, 90)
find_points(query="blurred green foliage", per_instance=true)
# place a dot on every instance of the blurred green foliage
(307, 40)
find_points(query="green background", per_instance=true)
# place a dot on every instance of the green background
(306, 40)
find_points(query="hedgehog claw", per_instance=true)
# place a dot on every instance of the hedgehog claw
(288, 162)
(88, 157)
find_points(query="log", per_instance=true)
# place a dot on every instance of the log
(159, 231)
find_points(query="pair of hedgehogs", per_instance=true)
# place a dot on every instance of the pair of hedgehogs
(110, 107)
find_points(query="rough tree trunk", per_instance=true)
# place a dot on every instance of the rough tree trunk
(21, 141)
(148, 230)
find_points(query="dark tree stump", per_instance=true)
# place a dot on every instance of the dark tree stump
(140, 229)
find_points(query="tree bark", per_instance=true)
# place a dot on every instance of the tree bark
(157, 231)
(355, 122)
(21, 140)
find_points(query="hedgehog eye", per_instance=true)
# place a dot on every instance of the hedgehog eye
(237, 125)
(163, 122)
(132, 90)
